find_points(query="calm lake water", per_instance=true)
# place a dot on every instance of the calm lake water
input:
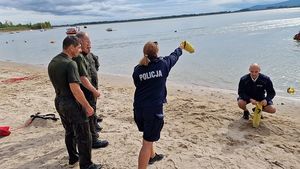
(225, 47)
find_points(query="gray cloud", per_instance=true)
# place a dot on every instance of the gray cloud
(69, 7)
(93, 7)
(110, 7)
(98, 10)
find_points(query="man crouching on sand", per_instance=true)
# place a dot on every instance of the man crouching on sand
(255, 88)
(70, 103)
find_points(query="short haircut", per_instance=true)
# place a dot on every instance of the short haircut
(70, 40)
(81, 35)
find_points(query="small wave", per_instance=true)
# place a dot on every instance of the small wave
(295, 99)
(262, 25)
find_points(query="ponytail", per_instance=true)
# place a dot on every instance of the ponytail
(150, 50)
(144, 61)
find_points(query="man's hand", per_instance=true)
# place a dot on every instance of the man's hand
(182, 45)
(254, 102)
(78, 94)
(89, 111)
(264, 102)
(87, 84)
(96, 94)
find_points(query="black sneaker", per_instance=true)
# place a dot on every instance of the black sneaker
(73, 162)
(157, 157)
(100, 144)
(99, 118)
(246, 115)
(95, 166)
(98, 127)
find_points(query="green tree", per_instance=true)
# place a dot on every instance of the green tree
(9, 26)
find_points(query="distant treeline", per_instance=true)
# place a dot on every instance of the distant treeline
(145, 19)
(9, 26)
(173, 16)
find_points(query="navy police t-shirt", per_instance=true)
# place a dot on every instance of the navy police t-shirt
(150, 81)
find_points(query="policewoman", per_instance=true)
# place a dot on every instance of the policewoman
(150, 77)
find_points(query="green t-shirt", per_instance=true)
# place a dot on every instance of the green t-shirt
(83, 66)
(62, 71)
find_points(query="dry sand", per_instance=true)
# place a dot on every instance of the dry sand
(203, 127)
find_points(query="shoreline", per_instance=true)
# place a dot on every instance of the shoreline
(126, 79)
(200, 87)
(203, 127)
(282, 103)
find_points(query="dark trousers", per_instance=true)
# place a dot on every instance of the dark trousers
(77, 130)
(92, 119)
(92, 124)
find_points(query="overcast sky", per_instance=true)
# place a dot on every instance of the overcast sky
(75, 11)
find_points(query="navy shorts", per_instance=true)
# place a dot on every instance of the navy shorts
(270, 102)
(150, 121)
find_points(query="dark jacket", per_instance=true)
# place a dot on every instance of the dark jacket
(259, 90)
(94, 67)
(150, 81)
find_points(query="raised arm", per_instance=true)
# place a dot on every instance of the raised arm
(173, 58)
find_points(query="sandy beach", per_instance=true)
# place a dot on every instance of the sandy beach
(203, 127)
